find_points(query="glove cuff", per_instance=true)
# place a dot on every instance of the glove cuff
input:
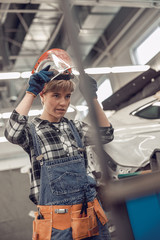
(95, 96)
(34, 95)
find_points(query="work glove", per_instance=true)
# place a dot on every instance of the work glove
(38, 80)
(91, 90)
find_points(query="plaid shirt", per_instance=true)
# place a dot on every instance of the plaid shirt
(56, 140)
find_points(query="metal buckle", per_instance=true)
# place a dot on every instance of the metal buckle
(81, 149)
(40, 157)
(61, 210)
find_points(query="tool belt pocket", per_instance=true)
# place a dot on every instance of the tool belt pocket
(84, 226)
(42, 228)
(99, 212)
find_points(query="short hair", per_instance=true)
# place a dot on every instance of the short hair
(56, 85)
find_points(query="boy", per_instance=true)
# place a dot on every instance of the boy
(60, 187)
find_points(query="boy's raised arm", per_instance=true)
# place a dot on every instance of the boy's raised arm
(36, 84)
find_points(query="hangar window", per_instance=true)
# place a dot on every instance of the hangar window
(147, 46)
(104, 90)
(150, 112)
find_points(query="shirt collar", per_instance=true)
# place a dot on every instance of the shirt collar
(40, 122)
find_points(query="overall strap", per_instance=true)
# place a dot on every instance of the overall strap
(75, 134)
(36, 142)
(79, 141)
(81, 148)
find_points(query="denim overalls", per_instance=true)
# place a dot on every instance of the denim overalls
(64, 181)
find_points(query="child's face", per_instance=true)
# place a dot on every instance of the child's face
(55, 105)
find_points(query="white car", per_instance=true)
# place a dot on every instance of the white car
(136, 135)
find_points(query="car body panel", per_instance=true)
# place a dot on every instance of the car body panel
(135, 138)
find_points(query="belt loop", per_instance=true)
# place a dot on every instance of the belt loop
(51, 209)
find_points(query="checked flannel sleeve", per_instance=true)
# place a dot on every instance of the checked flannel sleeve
(16, 130)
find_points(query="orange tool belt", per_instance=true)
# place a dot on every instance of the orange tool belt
(68, 216)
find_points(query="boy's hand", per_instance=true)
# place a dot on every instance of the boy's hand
(38, 80)
(92, 87)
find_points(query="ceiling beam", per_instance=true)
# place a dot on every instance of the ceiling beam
(14, 57)
(118, 31)
(135, 90)
(4, 8)
(22, 24)
(31, 11)
(118, 3)
(4, 51)
(54, 34)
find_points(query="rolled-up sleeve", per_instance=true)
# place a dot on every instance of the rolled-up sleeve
(106, 134)
(86, 133)
(16, 130)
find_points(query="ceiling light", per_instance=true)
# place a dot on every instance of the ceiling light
(10, 75)
(26, 74)
(134, 68)
(101, 70)
(119, 69)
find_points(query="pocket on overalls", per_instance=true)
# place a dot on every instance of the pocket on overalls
(66, 178)
(42, 228)
(83, 227)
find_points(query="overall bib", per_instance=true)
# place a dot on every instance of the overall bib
(67, 198)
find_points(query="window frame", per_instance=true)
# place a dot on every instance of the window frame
(140, 40)
(144, 107)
